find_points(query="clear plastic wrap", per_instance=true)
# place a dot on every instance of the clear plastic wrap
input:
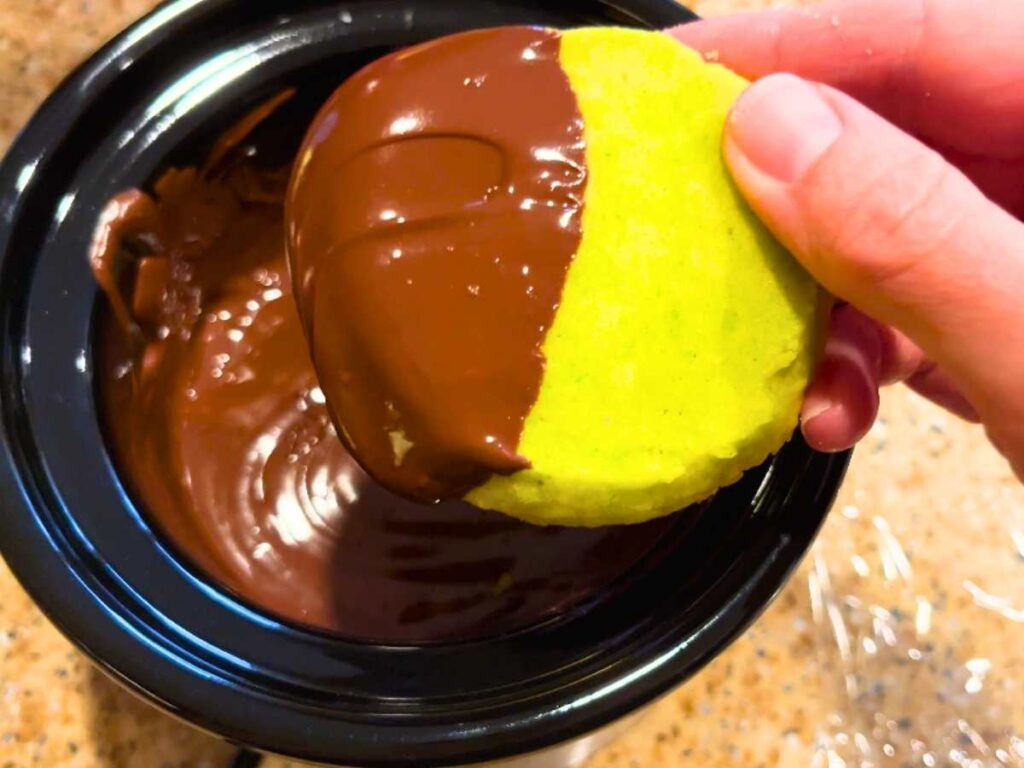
(899, 642)
(917, 599)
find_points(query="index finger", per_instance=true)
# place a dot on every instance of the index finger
(950, 71)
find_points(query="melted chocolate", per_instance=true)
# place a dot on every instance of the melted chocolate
(217, 423)
(433, 214)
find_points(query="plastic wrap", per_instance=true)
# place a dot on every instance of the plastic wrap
(916, 592)
(899, 641)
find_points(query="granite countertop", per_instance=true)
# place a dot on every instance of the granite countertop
(900, 641)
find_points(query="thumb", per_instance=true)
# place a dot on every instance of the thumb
(888, 225)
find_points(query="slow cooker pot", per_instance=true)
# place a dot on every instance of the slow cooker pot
(545, 695)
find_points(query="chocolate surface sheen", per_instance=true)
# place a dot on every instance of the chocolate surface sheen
(218, 426)
(432, 217)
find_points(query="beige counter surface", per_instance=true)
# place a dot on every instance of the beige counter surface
(900, 642)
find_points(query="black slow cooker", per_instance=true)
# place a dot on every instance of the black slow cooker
(159, 94)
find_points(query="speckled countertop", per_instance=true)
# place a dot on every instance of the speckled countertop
(900, 642)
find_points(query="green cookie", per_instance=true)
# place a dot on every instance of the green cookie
(686, 334)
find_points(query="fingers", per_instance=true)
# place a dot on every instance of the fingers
(860, 355)
(849, 44)
(1001, 180)
(888, 225)
(903, 360)
(933, 383)
(842, 401)
(947, 70)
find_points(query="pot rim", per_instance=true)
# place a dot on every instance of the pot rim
(87, 602)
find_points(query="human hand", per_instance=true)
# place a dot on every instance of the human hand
(924, 246)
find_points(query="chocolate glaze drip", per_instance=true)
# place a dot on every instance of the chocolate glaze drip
(432, 217)
(218, 425)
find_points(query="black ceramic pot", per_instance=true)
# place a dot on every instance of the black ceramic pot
(157, 94)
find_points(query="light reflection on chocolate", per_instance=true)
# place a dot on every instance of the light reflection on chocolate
(432, 218)
(217, 423)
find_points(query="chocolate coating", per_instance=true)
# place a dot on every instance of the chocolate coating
(215, 420)
(432, 217)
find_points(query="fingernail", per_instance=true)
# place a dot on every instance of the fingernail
(782, 124)
(814, 406)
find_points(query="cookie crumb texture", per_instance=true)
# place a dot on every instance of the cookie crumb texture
(686, 334)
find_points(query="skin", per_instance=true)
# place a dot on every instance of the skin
(890, 160)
